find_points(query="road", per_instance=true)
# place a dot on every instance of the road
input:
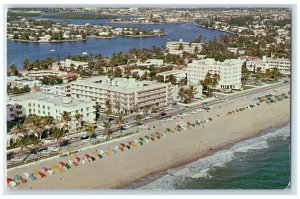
(169, 113)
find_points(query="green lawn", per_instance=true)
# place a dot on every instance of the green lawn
(247, 87)
(271, 81)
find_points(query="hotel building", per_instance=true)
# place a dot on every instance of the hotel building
(230, 72)
(284, 65)
(43, 104)
(174, 47)
(126, 95)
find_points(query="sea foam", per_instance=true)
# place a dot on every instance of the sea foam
(201, 168)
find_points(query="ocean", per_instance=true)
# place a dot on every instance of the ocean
(261, 162)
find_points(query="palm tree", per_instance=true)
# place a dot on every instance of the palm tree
(36, 128)
(26, 64)
(191, 93)
(23, 143)
(78, 117)
(57, 135)
(181, 93)
(120, 121)
(245, 74)
(90, 130)
(137, 119)
(107, 127)
(66, 117)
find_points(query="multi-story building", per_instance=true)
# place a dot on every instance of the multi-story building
(178, 47)
(284, 65)
(44, 104)
(14, 111)
(229, 72)
(59, 89)
(68, 63)
(126, 95)
(22, 82)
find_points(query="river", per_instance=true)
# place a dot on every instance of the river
(18, 51)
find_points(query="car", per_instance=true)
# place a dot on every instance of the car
(127, 126)
(16, 159)
(204, 103)
(45, 151)
(199, 110)
(148, 117)
(286, 81)
(52, 149)
(86, 140)
(194, 112)
(163, 114)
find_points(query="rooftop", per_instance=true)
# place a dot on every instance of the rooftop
(122, 85)
(50, 98)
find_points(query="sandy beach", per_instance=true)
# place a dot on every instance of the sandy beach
(123, 168)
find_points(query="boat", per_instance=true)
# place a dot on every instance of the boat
(52, 50)
(84, 53)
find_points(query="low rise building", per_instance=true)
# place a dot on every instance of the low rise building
(178, 74)
(22, 82)
(59, 89)
(178, 47)
(284, 65)
(14, 111)
(44, 104)
(68, 64)
(229, 71)
(125, 95)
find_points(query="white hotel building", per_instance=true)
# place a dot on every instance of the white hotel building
(230, 72)
(284, 65)
(43, 104)
(130, 94)
(173, 47)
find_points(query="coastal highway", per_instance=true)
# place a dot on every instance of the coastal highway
(75, 142)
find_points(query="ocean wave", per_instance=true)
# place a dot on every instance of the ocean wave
(201, 168)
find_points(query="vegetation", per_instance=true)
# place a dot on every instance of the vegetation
(13, 71)
(51, 80)
(17, 91)
(210, 82)
(186, 95)
(78, 16)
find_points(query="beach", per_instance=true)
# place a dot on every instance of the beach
(123, 168)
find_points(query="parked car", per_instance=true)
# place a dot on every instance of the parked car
(127, 126)
(53, 149)
(16, 159)
(163, 114)
(148, 117)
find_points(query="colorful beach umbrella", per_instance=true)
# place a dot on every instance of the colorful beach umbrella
(17, 177)
(62, 164)
(23, 181)
(56, 168)
(78, 159)
(122, 145)
(8, 180)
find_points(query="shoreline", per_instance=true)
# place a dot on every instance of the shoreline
(53, 41)
(169, 152)
(206, 154)
(227, 31)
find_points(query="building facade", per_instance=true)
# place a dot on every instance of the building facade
(68, 63)
(14, 111)
(178, 47)
(125, 95)
(284, 65)
(229, 71)
(43, 104)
